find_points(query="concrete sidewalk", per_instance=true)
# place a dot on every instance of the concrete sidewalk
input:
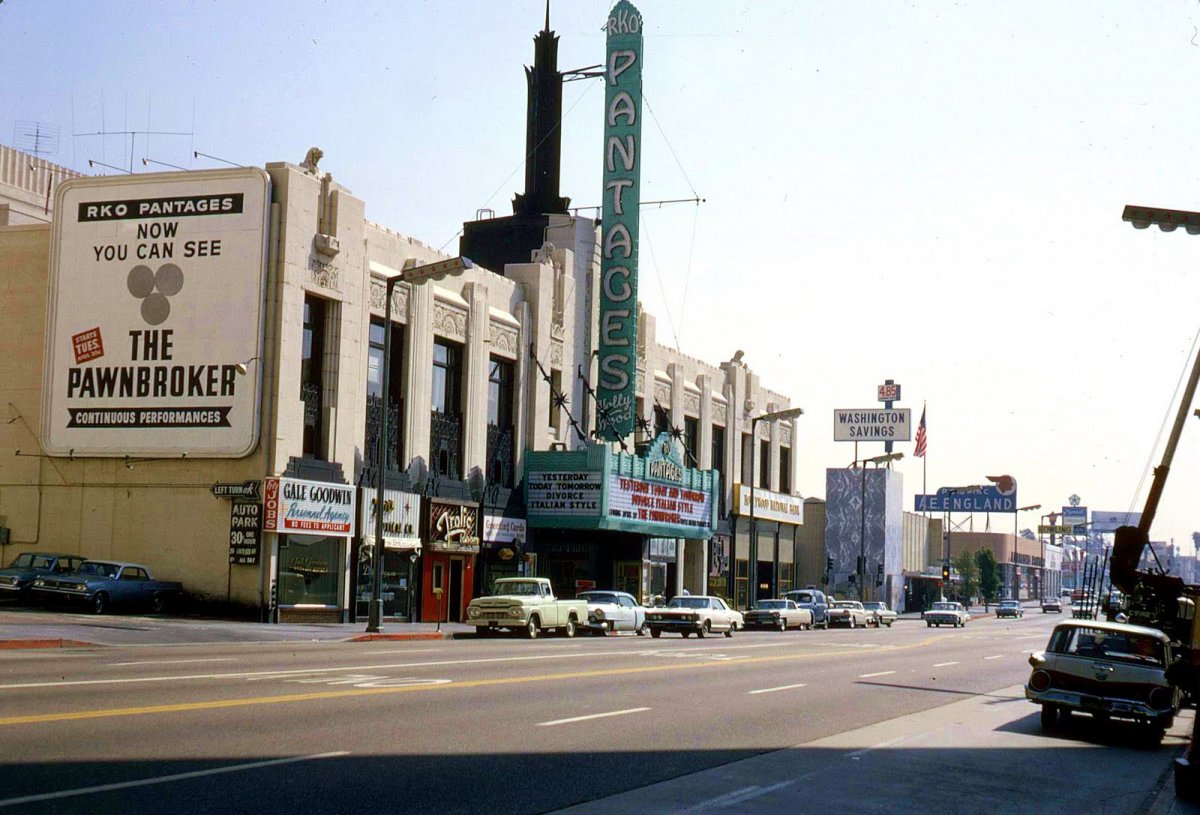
(21, 628)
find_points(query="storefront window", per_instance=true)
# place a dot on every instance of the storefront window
(741, 587)
(310, 570)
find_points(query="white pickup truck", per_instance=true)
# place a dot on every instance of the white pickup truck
(525, 604)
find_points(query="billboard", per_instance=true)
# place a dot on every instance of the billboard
(156, 296)
(872, 424)
(619, 222)
(1109, 521)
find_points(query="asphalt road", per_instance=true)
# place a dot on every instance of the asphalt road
(497, 725)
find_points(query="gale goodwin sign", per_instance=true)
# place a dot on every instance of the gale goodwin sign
(619, 221)
(156, 294)
(308, 508)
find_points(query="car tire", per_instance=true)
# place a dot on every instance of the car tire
(159, 603)
(685, 634)
(706, 629)
(569, 628)
(100, 603)
(928, 624)
(531, 628)
(850, 622)
(1155, 734)
(1049, 716)
(782, 624)
(641, 632)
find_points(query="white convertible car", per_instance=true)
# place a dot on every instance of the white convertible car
(613, 611)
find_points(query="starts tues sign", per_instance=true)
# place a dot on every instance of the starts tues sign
(156, 309)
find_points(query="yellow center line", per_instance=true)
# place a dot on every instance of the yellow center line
(216, 704)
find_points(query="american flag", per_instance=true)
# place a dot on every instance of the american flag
(920, 451)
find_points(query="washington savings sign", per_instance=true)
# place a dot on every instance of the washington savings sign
(619, 224)
(156, 296)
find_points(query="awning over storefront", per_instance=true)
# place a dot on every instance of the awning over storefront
(595, 488)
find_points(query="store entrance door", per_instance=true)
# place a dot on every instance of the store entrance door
(455, 595)
(628, 577)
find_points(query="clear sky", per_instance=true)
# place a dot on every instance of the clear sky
(924, 191)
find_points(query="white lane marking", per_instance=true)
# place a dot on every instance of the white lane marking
(593, 716)
(401, 651)
(944, 664)
(173, 661)
(772, 690)
(880, 673)
(997, 656)
(166, 779)
(287, 673)
(738, 796)
(881, 744)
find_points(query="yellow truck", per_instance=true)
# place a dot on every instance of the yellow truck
(525, 604)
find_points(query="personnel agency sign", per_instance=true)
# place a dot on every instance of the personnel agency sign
(156, 296)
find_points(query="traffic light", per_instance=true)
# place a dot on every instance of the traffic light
(946, 570)
(879, 576)
(829, 564)
(862, 565)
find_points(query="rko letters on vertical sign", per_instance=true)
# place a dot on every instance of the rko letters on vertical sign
(619, 223)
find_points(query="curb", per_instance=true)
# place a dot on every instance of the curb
(12, 645)
(430, 635)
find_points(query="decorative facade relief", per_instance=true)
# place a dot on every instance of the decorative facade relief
(504, 339)
(720, 414)
(557, 331)
(449, 322)
(399, 301)
(662, 392)
(691, 403)
(323, 274)
(556, 354)
(785, 434)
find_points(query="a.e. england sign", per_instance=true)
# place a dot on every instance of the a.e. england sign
(156, 295)
(308, 507)
(619, 224)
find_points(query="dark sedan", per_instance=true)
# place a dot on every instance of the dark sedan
(17, 579)
(1009, 608)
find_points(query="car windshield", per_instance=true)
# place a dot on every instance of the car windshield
(28, 560)
(875, 606)
(803, 597)
(688, 602)
(945, 606)
(1099, 643)
(599, 597)
(844, 604)
(520, 587)
(1009, 603)
(769, 604)
(94, 568)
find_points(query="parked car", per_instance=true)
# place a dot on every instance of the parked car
(525, 604)
(882, 614)
(1051, 604)
(815, 601)
(849, 613)
(694, 614)
(17, 580)
(946, 612)
(104, 584)
(1009, 608)
(611, 611)
(781, 614)
(1108, 670)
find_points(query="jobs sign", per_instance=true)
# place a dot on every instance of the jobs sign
(156, 296)
(619, 224)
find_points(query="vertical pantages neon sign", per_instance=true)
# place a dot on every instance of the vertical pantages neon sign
(619, 224)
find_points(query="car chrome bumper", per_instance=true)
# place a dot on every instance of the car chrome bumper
(675, 625)
(1088, 703)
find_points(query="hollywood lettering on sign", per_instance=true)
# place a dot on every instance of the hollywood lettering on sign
(156, 305)
(619, 222)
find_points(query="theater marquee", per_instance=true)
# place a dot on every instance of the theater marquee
(156, 296)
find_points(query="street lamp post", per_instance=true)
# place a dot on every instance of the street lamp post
(413, 275)
(862, 537)
(779, 415)
(1042, 578)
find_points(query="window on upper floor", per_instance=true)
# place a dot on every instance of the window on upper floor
(447, 378)
(785, 470)
(691, 441)
(312, 373)
(764, 464)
